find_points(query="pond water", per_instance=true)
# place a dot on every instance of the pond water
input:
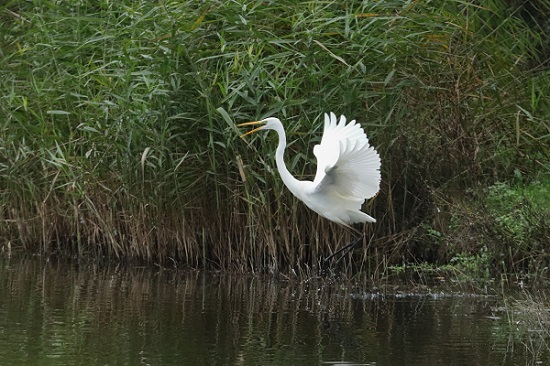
(58, 313)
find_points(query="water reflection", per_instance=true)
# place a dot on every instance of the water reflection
(70, 314)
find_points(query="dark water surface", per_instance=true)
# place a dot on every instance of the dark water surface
(54, 313)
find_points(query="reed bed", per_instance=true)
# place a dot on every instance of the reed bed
(118, 134)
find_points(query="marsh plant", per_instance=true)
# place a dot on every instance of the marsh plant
(118, 118)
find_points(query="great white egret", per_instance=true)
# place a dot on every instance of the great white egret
(348, 172)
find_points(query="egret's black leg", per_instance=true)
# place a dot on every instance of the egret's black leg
(343, 251)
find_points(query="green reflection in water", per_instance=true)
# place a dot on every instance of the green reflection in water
(54, 313)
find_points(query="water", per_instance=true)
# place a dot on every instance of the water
(54, 313)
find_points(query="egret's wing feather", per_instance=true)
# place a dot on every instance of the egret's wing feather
(334, 132)
(355, 174)
(346, 164)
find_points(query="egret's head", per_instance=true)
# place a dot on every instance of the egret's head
(270, 123)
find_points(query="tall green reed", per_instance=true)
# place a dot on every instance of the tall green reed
(120, 137)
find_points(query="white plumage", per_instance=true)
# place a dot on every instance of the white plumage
(348, 170)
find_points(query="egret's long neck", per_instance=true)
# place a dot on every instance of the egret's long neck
(291, 182)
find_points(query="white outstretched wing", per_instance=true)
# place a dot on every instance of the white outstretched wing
(346, 164)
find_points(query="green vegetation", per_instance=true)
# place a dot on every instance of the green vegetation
(521, 217)
(118, 132)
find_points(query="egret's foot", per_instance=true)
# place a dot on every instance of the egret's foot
(326, 264)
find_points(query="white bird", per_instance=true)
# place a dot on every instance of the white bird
(348, 172)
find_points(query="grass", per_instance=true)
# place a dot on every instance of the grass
(119, 138)
(528, 314)
(520, 215)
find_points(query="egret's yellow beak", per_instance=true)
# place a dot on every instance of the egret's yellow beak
(251, 124)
